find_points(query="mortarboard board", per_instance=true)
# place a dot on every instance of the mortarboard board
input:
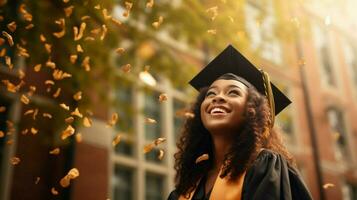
(231, 61)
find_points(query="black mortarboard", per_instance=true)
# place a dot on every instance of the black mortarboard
(231, 61)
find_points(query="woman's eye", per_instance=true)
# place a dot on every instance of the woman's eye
(210, 93)
(234, 92)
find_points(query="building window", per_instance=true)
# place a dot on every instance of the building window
(179, 109)
(123, 183)
(351, 60)
(154, 187)
(124, 104)
(322, 45)
(285, 119)
(338, 130)
(260, 23)
(152, 110)
(349, 191)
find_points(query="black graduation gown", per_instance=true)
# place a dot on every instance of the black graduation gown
(269, 178)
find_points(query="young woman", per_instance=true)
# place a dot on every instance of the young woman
(229, 149)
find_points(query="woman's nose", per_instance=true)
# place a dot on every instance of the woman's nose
(218, 99)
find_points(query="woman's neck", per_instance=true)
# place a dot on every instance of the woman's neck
(221, 146)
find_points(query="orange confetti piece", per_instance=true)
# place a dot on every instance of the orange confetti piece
(69, 120)
(328, 185)
(128, 6)
(104, 32)
(113, 120)
(85, 64)
(105, 14)
(161, 154)
(47, 115)
(77, 113)
(24, 99)
(79, 48)
(68, 11)
(126, 68)
(37, 67)
(73, 173)
(8, 62)
(116, 22)
(97, 7)
(55, 151)
(159, 141)
(12, 26)
(120, 50)
(73, 58)
(2, 134)
(85, 17)
(21, 74)
(87, 122)
(51, 64)
(158, 23)
(68, 132)
(212, 31)
(64, 106)
(202, 158)
(42, 38)
(34, 131)
(77, 96)
(65, 181)
(78, 34)
(57, 93)
(61, 23)
(149, 147)
(24, 132)
(49, 82)
(116, 140)
(27, 16)
(37, 180)
(15, 160)
(150, 120)
(9, 38)
(59, 74)
(78, 137)
(214, 11)
(163, 97)
(29, 112)
(48, 48)
(54, 191)
(30, 26)
(150, 4)
(2, 109)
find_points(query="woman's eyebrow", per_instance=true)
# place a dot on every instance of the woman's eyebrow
(230, 86)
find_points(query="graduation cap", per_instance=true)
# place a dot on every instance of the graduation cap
(231, 61)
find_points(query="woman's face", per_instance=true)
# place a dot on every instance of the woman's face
(222, 109)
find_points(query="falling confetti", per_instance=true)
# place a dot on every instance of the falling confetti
(57, 93)
(54, 191)
(68, 132)
(15, 160)
(68, 11)
(2, 134)
(24, 99)
(150, 4)
(61, 23)
(120, 50)
(29, 112)
(85, 64)
(47, 115)
(37, 180)
(87, 122)
(78, 137)
(147, 78)
(78, 34)
(214, 11)
(79, 48)
(105, 14)
(328, 185)
(55, 151)
(161, 154)
(126, 68)
(59, 74)
(42, 38)
(116, 22)
(51, 64)
(159, 141)
(27, 16)
(77, 96)
(128, 6)
(116, 140)
(212, 31)
(113, 120)
(64, 106)
(163, 97)
(77, 113)
(69, 120)
(73, 58)
(149, 147)
(9, 38)
(158, 23)
(202, 158)
(2, 109)
(66, 180)
(48, 48)
(150, 121)
(104, 32)
(30, 26)
(34, 131)
(12, 26)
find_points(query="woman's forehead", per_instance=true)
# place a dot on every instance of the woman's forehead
(222, 83)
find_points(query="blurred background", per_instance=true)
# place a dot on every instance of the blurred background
(89, 88)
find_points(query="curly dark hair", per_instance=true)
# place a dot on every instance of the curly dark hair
(253, 135)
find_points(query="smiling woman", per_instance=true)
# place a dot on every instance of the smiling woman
(233, 124)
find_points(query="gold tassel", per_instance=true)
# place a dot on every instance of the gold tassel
(269, 94)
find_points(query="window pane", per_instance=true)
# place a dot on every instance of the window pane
(153, 156)
(154, 187)
(125, 147)
(124, 105)
(338, 130)
(152, 110)
(123, 183)
(179, 106)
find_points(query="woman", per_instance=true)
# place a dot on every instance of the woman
(233, 126)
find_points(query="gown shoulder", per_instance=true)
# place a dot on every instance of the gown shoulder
(271, 177)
